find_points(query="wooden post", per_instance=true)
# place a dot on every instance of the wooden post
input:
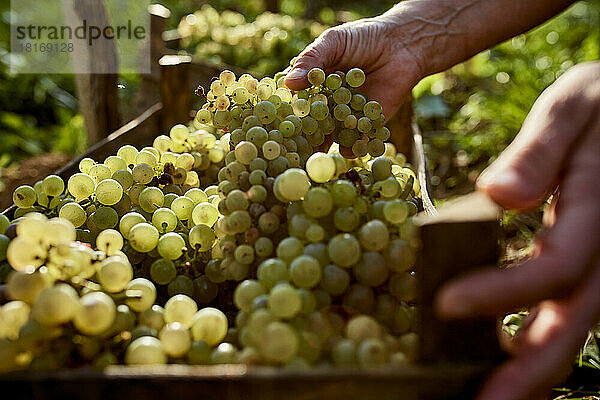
(149, 89)
(175, 90)
(97, 92)
(461, 237)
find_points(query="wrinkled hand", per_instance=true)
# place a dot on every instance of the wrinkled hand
(392, 68)
(559, 145)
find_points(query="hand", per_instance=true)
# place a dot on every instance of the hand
(558, 146)
(392, 68)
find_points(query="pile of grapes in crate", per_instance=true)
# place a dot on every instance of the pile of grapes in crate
(231, 240)
(263, 46)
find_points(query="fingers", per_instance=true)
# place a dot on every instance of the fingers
(565, 253)
(319, 54)
(547, 346)
(527, 170)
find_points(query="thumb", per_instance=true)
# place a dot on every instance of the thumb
(527, 171)
(319, 54)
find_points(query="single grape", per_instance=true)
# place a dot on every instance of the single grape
(145, 294)
(24, 196)
(143, 237)
(95, 314)
(109, 241)
(209, 325)
(171, 246)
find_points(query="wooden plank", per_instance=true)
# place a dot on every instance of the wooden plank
(175, 90)
(443, 381)
(97, 92)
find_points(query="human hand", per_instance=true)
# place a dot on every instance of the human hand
(392, 68)
(558, 146)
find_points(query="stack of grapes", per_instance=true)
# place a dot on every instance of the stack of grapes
(263, 46)
(230, 240)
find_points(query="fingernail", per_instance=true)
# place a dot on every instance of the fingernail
(451, 304)
(504, 178)
(295, 73)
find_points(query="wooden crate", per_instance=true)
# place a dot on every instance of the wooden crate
(455, 356)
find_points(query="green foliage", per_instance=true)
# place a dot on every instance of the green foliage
(472, 112)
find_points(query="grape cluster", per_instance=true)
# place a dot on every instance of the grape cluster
(231, 240)
(263, 46)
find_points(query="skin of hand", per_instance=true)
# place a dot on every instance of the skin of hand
(557, 151)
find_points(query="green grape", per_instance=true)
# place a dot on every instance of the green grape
(169, 198)
(268, 222)
(181, 285)
(360, 148)
(305, 272)
(128, 221)
(151, 199)
(319, 110)
(95, 314)
(371, 270)
(315, 233)
(53, 185)
(99, 172)
(245, 152)
(320, 167)
(372, 352)
(317, 202)
(335, 280)
(333, 81)
(197, 195)
(292, 184)
(376, 147)
(246, 292)
(115, 273)
(236, 200)
(382, 168)
(185, 161)
(344, 250)
(205, 213)
(109, 192)
(289, 248)
(199, 352)
(284, 301)
(109, 241)
(171, 246)
(350, 124)
(115, 163)
(343, 353)
(72, 212)
(175, 339)
(14, 314)
(4, 242)
(395, 211)
(24, 196)
(145, 350)
(360, 298)
(145, 296)
(244, 254)
(309, 125)
(163, 271)
(143, 237)
(399, 255)
(341, 112)
(127, 153)
(124, 177)
(382, 134)
(271, 150)
(362, 327)
(301, 107)
(162, 143)
(209, 325)
(355, 77)
(104, 218)
(142, 173)
(287, 129)
(265, 111)
(180, 308)
(202, 238)
(318, 251)
(55, 305)
(85, 164)
(279, 342)
(205, 291)
(4, 223)
(165, 220)
(146, 157)
(374, 235)
(272, 271)
(346, 219)
(263, 247)
(257, 194)
(316, 76)
(342, 96)
(358, 102)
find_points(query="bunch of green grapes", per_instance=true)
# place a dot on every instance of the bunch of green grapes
(263, 46)
(297, 257)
